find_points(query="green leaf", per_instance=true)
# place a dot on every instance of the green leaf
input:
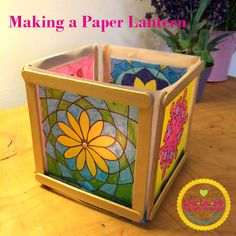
(194, 40)
(184, 44)
(183, 35)
(202, 7)
(197, 52)
(206, 56)
(169, 40)
(213, 49)
(214, 42)
(171, 35)
(203, 40)
(195, 28)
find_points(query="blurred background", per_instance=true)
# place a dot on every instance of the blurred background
(19, 46)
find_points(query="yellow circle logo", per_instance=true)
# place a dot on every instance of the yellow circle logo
(203, 204)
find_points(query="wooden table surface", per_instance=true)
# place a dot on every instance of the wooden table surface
(27, 208)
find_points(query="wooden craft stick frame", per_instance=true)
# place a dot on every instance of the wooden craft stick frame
(37, 74)
(143, 100)
(154, 204)
(194, 67)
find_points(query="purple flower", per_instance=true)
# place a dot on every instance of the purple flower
(216, 13)
(148, 15)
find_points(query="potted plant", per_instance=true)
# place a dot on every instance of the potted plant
(195, 39)
(222, 58)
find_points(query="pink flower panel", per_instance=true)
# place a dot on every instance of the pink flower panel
(173, 133)
(82, 68)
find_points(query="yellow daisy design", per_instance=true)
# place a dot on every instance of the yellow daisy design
(138, 83)
(86, 143)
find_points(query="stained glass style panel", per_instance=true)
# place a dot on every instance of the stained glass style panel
(174, 134)
(90, 143)
(144, 75)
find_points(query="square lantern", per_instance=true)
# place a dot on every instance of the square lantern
(111, 130)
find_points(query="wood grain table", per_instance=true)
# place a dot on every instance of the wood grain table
(27, 208)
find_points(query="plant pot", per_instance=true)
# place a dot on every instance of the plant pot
(202, 82)
(222, 57)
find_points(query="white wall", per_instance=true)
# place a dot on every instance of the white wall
(232, 69)
(19, 46)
